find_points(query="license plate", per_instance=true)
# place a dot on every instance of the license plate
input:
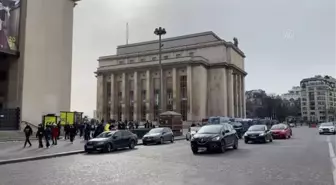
(89, 146)
(252, 137)
(202, 148)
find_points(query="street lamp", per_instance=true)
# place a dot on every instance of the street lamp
(160, 31)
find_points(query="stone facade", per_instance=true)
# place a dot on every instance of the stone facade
(203, 76)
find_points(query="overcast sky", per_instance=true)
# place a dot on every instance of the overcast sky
(284, 40)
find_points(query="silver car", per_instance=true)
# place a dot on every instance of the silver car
(191, 132)
(158, 136)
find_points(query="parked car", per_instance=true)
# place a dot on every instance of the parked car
(111, 140)
(216, 137)
(158, 136)
(239, 128)
(191, 132)
(281, 131)
(327, 128)
(258, 133)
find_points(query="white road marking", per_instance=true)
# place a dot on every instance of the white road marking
(332, 157)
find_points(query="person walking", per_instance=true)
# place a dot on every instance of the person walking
(72, 133)
(47, 135)
(28, 132)
(39, 135)
(54, 134)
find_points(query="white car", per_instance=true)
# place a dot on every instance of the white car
(328, 127)
(191, 132)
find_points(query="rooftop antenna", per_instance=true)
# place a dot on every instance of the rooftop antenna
(126, 33)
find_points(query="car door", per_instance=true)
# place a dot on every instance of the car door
(166, 134)
(227, 134)
(125, 138)
(233, 134)
(117, 139)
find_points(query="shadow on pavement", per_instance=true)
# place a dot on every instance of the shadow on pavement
(113, 152)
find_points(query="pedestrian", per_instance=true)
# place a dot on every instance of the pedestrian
(81, 130)
(87, 131)
(72, 133)
(66, 131)
(28, 132)
(40, 134)
(47, 135)
(54, 134)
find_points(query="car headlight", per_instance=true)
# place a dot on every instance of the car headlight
(216, 138)
(262, 134)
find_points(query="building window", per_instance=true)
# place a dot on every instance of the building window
(131, 113)
(154, 58)
(184, 100)
(121, 62)
(169, 100)
(166, 57)
(119, 112)
(143, 112)
(178, 55)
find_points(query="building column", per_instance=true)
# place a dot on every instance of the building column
(175, 91)
(136, 97)
(123, 97)
(225, 93)
(238, 96)
(100, 97)
(148, 95)
(113, 114)
(189, 93)
(243, 96)
(230, 93)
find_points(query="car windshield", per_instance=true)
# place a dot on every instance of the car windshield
(105, 135)
(257, 128)
(278, 127)
(236, 124)
(194, 128)
(327, 124)
(156, 130)
(210, 129)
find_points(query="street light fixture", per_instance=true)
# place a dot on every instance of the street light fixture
(160, 31)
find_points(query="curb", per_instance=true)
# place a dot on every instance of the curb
(25, 159)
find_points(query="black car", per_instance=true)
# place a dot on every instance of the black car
(111, 140)
(258, 133)
(239, 128)
(214, 137)
(158, 136)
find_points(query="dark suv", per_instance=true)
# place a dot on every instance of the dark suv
(214, 137)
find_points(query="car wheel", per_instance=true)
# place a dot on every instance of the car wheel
(334, 133)
(271, 139)
(235, 145)
(246, 141)
(131, 145)
(161, 140)
(289, 136)
(265, 140)
(194, 150)
(108, 148)
(222, 147)
(172, 139)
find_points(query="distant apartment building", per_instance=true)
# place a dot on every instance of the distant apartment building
(318, 98)
(293, 94)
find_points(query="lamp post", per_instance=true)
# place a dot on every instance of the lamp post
(160, 31)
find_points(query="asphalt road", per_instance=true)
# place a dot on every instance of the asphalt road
(302, 160)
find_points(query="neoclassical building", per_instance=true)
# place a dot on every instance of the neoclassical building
(203, 76)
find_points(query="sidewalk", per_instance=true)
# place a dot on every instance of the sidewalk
(12, 152)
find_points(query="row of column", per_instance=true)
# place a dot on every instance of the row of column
(236, 95)
(107, 107)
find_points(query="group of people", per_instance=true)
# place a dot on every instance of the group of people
(88, 129)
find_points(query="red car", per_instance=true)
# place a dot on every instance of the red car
(281, 131)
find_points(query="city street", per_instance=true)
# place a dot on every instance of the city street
(303, 160)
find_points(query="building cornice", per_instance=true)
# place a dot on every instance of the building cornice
(108, 69)
(173, 49)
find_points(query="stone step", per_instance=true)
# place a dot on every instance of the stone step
(12, 136)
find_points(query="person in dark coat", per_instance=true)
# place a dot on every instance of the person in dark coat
(66, 131)
(39, 135)
(47, 135)
(28, 132)
(81, 130)
(99, 130)
(87, 131)
(72, 133)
